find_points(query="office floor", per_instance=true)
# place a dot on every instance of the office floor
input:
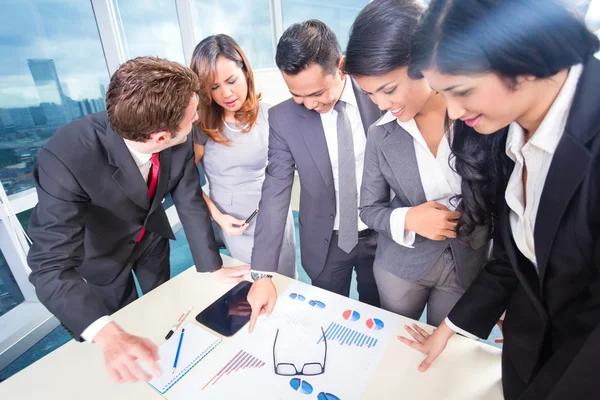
(181, 259)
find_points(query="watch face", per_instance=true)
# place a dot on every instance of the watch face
(258, 275)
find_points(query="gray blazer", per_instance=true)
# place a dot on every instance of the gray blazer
(391, 163)
(92, 204)
(297, 141)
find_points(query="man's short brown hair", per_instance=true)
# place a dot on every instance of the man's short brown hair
(148, 95)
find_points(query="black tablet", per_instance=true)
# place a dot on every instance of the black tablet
(230, 312)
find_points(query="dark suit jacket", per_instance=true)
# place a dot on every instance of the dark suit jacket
(297, 141)
(552, 325)
(391, 163)
(93, 201)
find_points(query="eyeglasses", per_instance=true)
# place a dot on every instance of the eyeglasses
(308, 369)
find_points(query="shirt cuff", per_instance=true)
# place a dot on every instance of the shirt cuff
(397, 223)
(91, 331)
(458, 330)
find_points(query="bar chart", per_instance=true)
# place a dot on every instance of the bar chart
(240, 361)
(337, 333)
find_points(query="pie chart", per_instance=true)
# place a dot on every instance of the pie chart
(351, 315)
(327, 396)
(301, 386)
(375, 324)
(296, 296)
(316, 303)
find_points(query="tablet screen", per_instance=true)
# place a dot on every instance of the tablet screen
(230, 312)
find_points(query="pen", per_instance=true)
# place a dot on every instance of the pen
(178, 323)
(178, 350)
(250, 217)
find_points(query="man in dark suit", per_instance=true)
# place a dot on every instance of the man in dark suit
(321, 133)
(100, 182)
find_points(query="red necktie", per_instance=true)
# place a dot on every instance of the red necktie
(152, 183)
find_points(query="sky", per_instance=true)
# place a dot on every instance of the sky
(66, 31)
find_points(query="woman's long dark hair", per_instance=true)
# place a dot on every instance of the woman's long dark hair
(510, 38)
(380, 37)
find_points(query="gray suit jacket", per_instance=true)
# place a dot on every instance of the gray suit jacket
(391, 163)
(297, 141)
(92, 204)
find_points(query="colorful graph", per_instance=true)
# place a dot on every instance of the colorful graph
(327, 396)
(301, 386)
(375, 324)
(240, 361)
(346, 336)
(296, 296)
(312, 303)
(351, 315)
(316, 303)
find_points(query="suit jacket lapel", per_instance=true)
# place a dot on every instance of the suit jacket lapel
(369, 113)
(399, 151)
(311, 131)
(127, 176)
(569, 163)
(525, 277)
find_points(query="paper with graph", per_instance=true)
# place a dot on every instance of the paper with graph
(356, 336)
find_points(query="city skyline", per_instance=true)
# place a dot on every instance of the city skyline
(23, 130)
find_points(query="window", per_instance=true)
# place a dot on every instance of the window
(248, 22)
(150, 28)
(10, 294)
(52, 72)
(337, 14)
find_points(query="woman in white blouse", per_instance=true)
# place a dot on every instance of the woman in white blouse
(522, 77)
(410, 193)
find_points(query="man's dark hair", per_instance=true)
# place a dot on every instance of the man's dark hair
(305, 43)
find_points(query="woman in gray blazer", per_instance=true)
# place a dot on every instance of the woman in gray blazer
(410, 192)
(231, 141)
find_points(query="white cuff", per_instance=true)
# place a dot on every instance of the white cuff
(503, 316)
(397, 223)
(91, 331)
(458, 330)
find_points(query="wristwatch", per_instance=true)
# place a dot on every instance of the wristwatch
(259, 275)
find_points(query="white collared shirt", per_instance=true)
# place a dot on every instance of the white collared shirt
(440, 182)
(329, 121)
(143, 163)
(537, 155)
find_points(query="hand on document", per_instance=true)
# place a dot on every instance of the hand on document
(122, 352)
(262, 298)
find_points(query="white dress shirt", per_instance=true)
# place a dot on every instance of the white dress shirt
(536, 154)
(143, 163)
(440, 182)
(329, 121)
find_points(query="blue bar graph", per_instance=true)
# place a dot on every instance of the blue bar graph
(337, 333)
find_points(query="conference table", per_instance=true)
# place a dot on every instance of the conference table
(466, 370)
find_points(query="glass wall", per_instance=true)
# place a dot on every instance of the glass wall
(248, 22)
(337, 14)
(52, 72)
(151, 28)
(10, 294)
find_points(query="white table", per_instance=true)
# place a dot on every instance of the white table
(466, 370)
